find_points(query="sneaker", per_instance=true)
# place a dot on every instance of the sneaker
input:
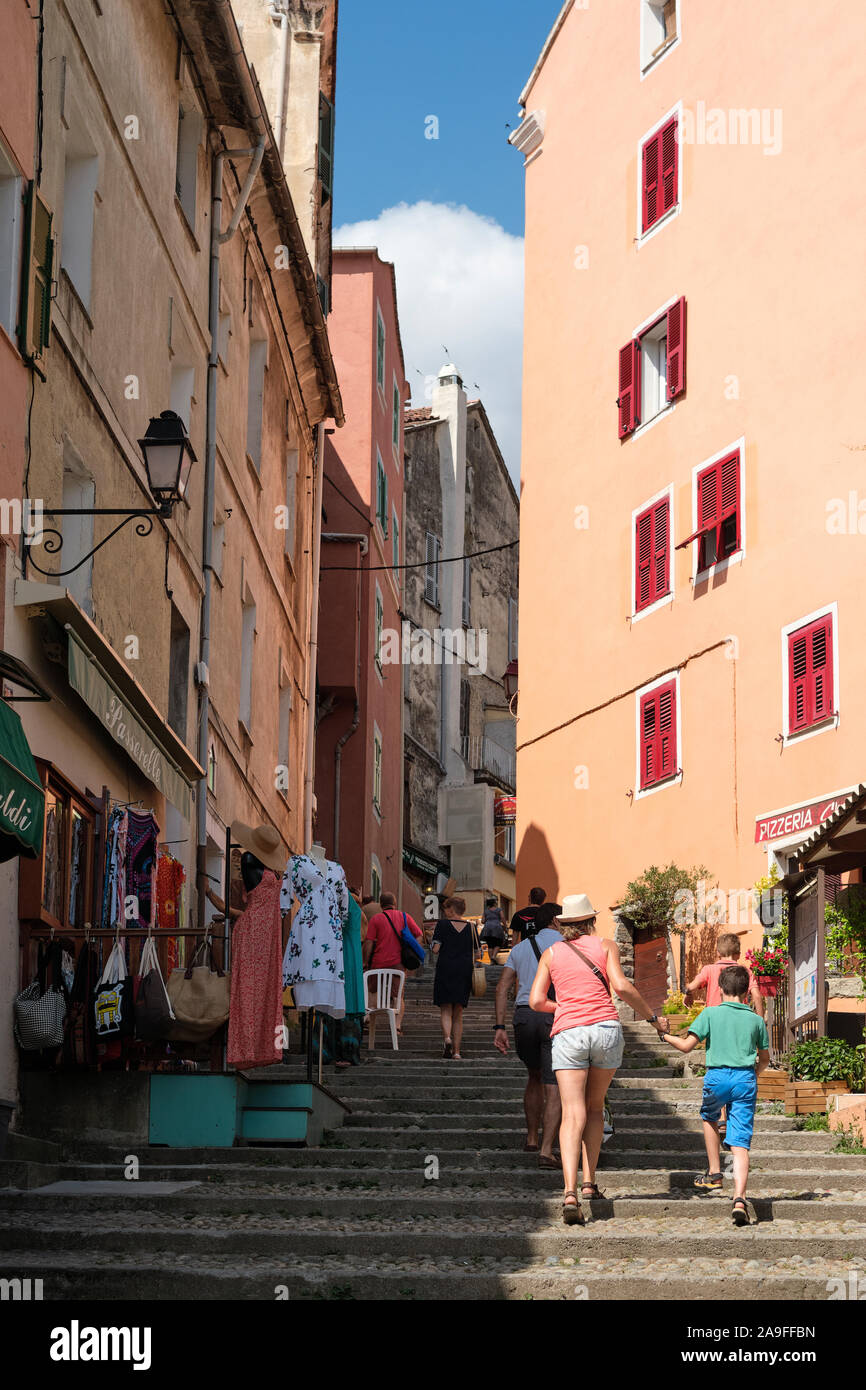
(710, 1182)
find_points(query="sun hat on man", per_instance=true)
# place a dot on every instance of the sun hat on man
(264, 842)
(576, 907)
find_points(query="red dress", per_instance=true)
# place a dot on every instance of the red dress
(256, 1007)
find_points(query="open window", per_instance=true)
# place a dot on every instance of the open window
(659, 29)
(719, 532)
(652, 369)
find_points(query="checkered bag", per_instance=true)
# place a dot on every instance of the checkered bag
(38, 1018)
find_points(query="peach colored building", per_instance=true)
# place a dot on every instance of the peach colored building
(691, 658)
(359, 738)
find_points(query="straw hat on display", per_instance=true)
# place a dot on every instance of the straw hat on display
(262, 841)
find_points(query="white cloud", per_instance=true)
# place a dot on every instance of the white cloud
(460, 286)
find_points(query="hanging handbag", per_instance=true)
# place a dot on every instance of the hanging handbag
(112, 998)
(199, 996)
(39, 1010)
(411, 950)
(153, 1012)
(479, 974)
(79, 1049)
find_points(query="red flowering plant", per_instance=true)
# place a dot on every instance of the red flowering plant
(768, 963)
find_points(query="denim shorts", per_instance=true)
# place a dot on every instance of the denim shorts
(735, 1088)
(596, 1045)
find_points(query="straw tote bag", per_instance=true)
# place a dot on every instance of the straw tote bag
(479, 975)
(199, 996)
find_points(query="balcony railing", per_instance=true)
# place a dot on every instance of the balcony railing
(490, 759)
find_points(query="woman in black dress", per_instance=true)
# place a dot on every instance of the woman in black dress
(455, 955)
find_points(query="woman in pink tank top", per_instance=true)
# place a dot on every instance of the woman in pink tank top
(587, 1039)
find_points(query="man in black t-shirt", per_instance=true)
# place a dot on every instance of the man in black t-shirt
(525, 915)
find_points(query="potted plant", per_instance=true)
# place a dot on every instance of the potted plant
(819, 1069)
(675, 1009)
(768, 964)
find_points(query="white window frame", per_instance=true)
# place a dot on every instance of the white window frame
(644, 236)
(719, 566)
(375, 869)
(648, 66)
(832, 721)
(190, 128)
(676, 780)
(381, 382)
(431, 570)
(638, 332)
(77, 237)
(396, 395)
(11, 223)
(378, 746)
(666, 599)
(378, 628)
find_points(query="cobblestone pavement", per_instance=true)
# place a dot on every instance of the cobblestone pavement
(362, 1218)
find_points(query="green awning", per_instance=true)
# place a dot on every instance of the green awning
(22, 800)
(101, 694)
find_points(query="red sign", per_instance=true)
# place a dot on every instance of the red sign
(802, 820)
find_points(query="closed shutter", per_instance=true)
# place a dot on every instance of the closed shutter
(658, 732)
(326, 146)
(652, 154)
(669, 167)
(810, 674)
(628, 399)
(37, 265)
(676, 350)
(652, 543)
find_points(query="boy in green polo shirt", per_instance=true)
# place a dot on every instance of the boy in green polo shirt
(738, 1050)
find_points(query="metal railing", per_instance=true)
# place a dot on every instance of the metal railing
(483, 755)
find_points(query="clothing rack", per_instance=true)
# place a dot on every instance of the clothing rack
(140, 932)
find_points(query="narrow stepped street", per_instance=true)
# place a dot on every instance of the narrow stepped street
(359, 1217)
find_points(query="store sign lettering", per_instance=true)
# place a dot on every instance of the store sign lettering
(801, 821)
(148, 759)
(21, 816)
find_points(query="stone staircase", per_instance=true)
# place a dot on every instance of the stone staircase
(426, 1193)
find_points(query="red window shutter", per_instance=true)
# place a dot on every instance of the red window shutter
(821, 654)
(798, 681)
(643, 586)
(648, 739)
(658, 733)
(661, 544)
(669, 166)
(676, 359)
(667, 759)
(628, 399)
(652, 200)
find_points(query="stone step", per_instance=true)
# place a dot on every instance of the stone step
(102, 1276)
(440, 1137)
(208, 1202)
(381, 1113)
(412, 1162)
(420, 1236)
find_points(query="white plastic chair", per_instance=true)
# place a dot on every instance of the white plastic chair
(379, 985)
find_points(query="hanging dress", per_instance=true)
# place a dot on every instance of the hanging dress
(256, 1000)
(313, 963)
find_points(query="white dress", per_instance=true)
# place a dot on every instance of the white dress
(313, 960)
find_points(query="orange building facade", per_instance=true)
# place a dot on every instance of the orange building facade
(693, 538)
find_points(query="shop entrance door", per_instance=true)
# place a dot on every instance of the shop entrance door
(651, 968)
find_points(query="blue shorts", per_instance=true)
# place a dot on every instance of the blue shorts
(736, 1090)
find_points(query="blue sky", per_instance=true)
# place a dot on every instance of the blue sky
(448, 212)
(466, 63)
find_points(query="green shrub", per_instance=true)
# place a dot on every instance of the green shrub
(827, 1059)
(849, 1140)
(816, 1122)
(674, 1004)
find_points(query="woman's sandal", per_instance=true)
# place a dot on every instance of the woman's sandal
(740, 1212)
(591, 1190)
(572, 1214)
(448, 1049)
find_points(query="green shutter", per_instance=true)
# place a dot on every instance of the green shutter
(37, 265)
(326, 146)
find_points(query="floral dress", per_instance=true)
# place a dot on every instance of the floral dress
(313, 962)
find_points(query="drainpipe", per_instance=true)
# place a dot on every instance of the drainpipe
(217, 240)
(313, 644)
(279, 13)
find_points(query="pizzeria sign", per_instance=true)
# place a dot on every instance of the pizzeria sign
(800, 820)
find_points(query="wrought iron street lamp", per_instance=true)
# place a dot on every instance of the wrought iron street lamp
(168, 458)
